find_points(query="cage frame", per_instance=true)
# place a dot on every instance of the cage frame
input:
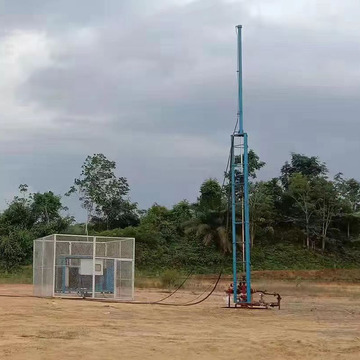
(53, 239)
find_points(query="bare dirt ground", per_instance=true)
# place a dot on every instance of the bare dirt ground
(317, 321)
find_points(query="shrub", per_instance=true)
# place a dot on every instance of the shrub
(170, 278)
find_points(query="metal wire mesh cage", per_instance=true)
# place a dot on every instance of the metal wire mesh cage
(86, 266)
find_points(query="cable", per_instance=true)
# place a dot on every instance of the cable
(226, 169)
(211, 292)
(206, 297)
(134, 302)
(229, 157)
(18, 296)
(166, 297)
(174, 304)
(199, 296)
(192, 302)
(155, 302)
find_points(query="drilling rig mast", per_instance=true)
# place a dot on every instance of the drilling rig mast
(240, 213)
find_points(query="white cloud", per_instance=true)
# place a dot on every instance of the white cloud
(317, 15)
(21, 53)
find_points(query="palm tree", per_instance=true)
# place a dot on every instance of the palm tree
(211, 226)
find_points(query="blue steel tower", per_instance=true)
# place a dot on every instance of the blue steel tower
(240, 187)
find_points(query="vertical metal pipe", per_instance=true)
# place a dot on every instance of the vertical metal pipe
(43, 291)
(247, 219)
(133, 271)
(239, 71)
(54, 266)
(35, 265)
(115, 277)
(233, 216)
(93, 272)
(242, 216)
(63, 274)
(242, 234)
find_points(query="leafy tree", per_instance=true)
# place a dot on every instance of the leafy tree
(255, 164)
(301, 191)
(211, 196)
(155, 216)
(327, 204)
(311, 167)
(103, 195)
(27, 217)
(262, 211)
(349, 195)
(11, 253)
(210, 227)
(18, 214)
(181, 213)
(46, 207)
(209, 222)
(158, 218)
(276, 191)
(119, 213)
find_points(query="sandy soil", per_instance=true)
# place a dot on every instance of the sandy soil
(316, 322)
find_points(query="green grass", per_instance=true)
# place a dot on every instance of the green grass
(24, 275)
(278, 261)
(291, 257)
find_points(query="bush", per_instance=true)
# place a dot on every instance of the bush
(11, 253)
(170, 278)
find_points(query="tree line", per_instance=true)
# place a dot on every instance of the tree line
(301, 213)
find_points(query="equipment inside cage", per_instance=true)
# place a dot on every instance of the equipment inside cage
(76, 274)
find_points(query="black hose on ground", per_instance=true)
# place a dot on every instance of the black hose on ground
(158, 302)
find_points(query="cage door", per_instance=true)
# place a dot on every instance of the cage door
(124, 279)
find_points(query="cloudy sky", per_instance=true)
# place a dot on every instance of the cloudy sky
(152, 85)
